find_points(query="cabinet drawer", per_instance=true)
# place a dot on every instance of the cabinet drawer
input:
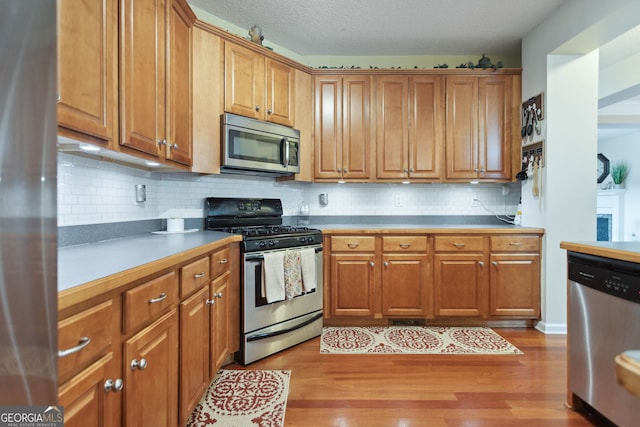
(219, 262)
(353, 243)
(144, 303)
(459, 243)
(194, 276)
(404, 243)
(515, 243)
(83, 338)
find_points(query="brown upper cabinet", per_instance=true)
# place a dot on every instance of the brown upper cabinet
(88, 71)
(155, 98)
(342, 128)
(481, 127)
(257, 86)
(409, 127)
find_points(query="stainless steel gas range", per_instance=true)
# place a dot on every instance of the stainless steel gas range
(269, 327)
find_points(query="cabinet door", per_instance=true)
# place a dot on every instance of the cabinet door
(356, 128)
(142, 75)
(219, 321)
(244, 81)
(352, 285)
(85, 401)
(328, 127)
(514, 285)
(208, 100)
(405, 286)
(426, 126)
(88, 69)
(494, 121)
(151, 392)
(194, 351)
(280, 85)
(178, 89)
(459, 285)
(392, 123)
(462, 127)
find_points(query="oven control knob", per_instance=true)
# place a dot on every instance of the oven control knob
(303, 239)
(262, 244)
(272, 243)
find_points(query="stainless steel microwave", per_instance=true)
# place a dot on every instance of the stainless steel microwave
(255, 147)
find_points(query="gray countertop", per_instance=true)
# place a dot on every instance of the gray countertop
(82, 264)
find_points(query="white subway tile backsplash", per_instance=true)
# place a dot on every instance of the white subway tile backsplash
(91, 191)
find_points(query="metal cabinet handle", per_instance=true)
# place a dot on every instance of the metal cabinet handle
(223, 261)
(514, 243)
(372, 264)
(59, 97)
(345, 170)
(404, 245)
(162, 142)
(386, 263)
(218, 295)
(481, 263)
(353, 245)
(475, 170)
(173, 146)
(269, 111)
(412, 170)
(494, 263)
(482, 170)
(111, 385)
(199, 275)
(138, 364)
(161, 297)
(82, 343)
(405, 170)
(339, 169)
(257, 108)
(210, 301)
(459, 245)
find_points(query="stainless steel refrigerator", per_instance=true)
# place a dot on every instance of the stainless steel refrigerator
(28, 236)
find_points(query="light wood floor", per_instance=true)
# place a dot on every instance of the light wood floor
(429, 390)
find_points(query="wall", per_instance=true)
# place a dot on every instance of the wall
(94, 192)
(559, 58)
(627, 147)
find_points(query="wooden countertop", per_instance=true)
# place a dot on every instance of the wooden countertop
(625, 251)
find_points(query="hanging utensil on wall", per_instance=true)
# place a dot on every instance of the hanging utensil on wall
(530, 121)
(523, 132)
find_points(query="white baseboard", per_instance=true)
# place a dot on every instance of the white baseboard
(552, 328)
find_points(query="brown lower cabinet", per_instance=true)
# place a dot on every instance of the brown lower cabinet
(144, 353)
(452, 276)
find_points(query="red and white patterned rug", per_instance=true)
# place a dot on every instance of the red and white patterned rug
(238, 398)
(414, 340)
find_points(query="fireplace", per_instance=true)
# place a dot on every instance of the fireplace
(610, 216)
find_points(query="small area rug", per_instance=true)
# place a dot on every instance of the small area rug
(239, 398)
(414, 340)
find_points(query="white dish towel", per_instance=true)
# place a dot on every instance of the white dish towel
(273, 276)
(308, 260)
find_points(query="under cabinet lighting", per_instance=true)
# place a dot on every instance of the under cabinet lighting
(87, 147)
(150, 163)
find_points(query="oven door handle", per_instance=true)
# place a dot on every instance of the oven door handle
(260, 257)
(284, 331)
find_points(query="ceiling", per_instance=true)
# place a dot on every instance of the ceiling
(388, 27)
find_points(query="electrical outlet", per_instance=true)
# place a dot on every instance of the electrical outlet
(397, 202)
(474, 200)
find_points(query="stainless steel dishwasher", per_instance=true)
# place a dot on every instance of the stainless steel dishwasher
(604, 321)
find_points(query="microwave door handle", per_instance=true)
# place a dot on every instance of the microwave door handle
(286, 152)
